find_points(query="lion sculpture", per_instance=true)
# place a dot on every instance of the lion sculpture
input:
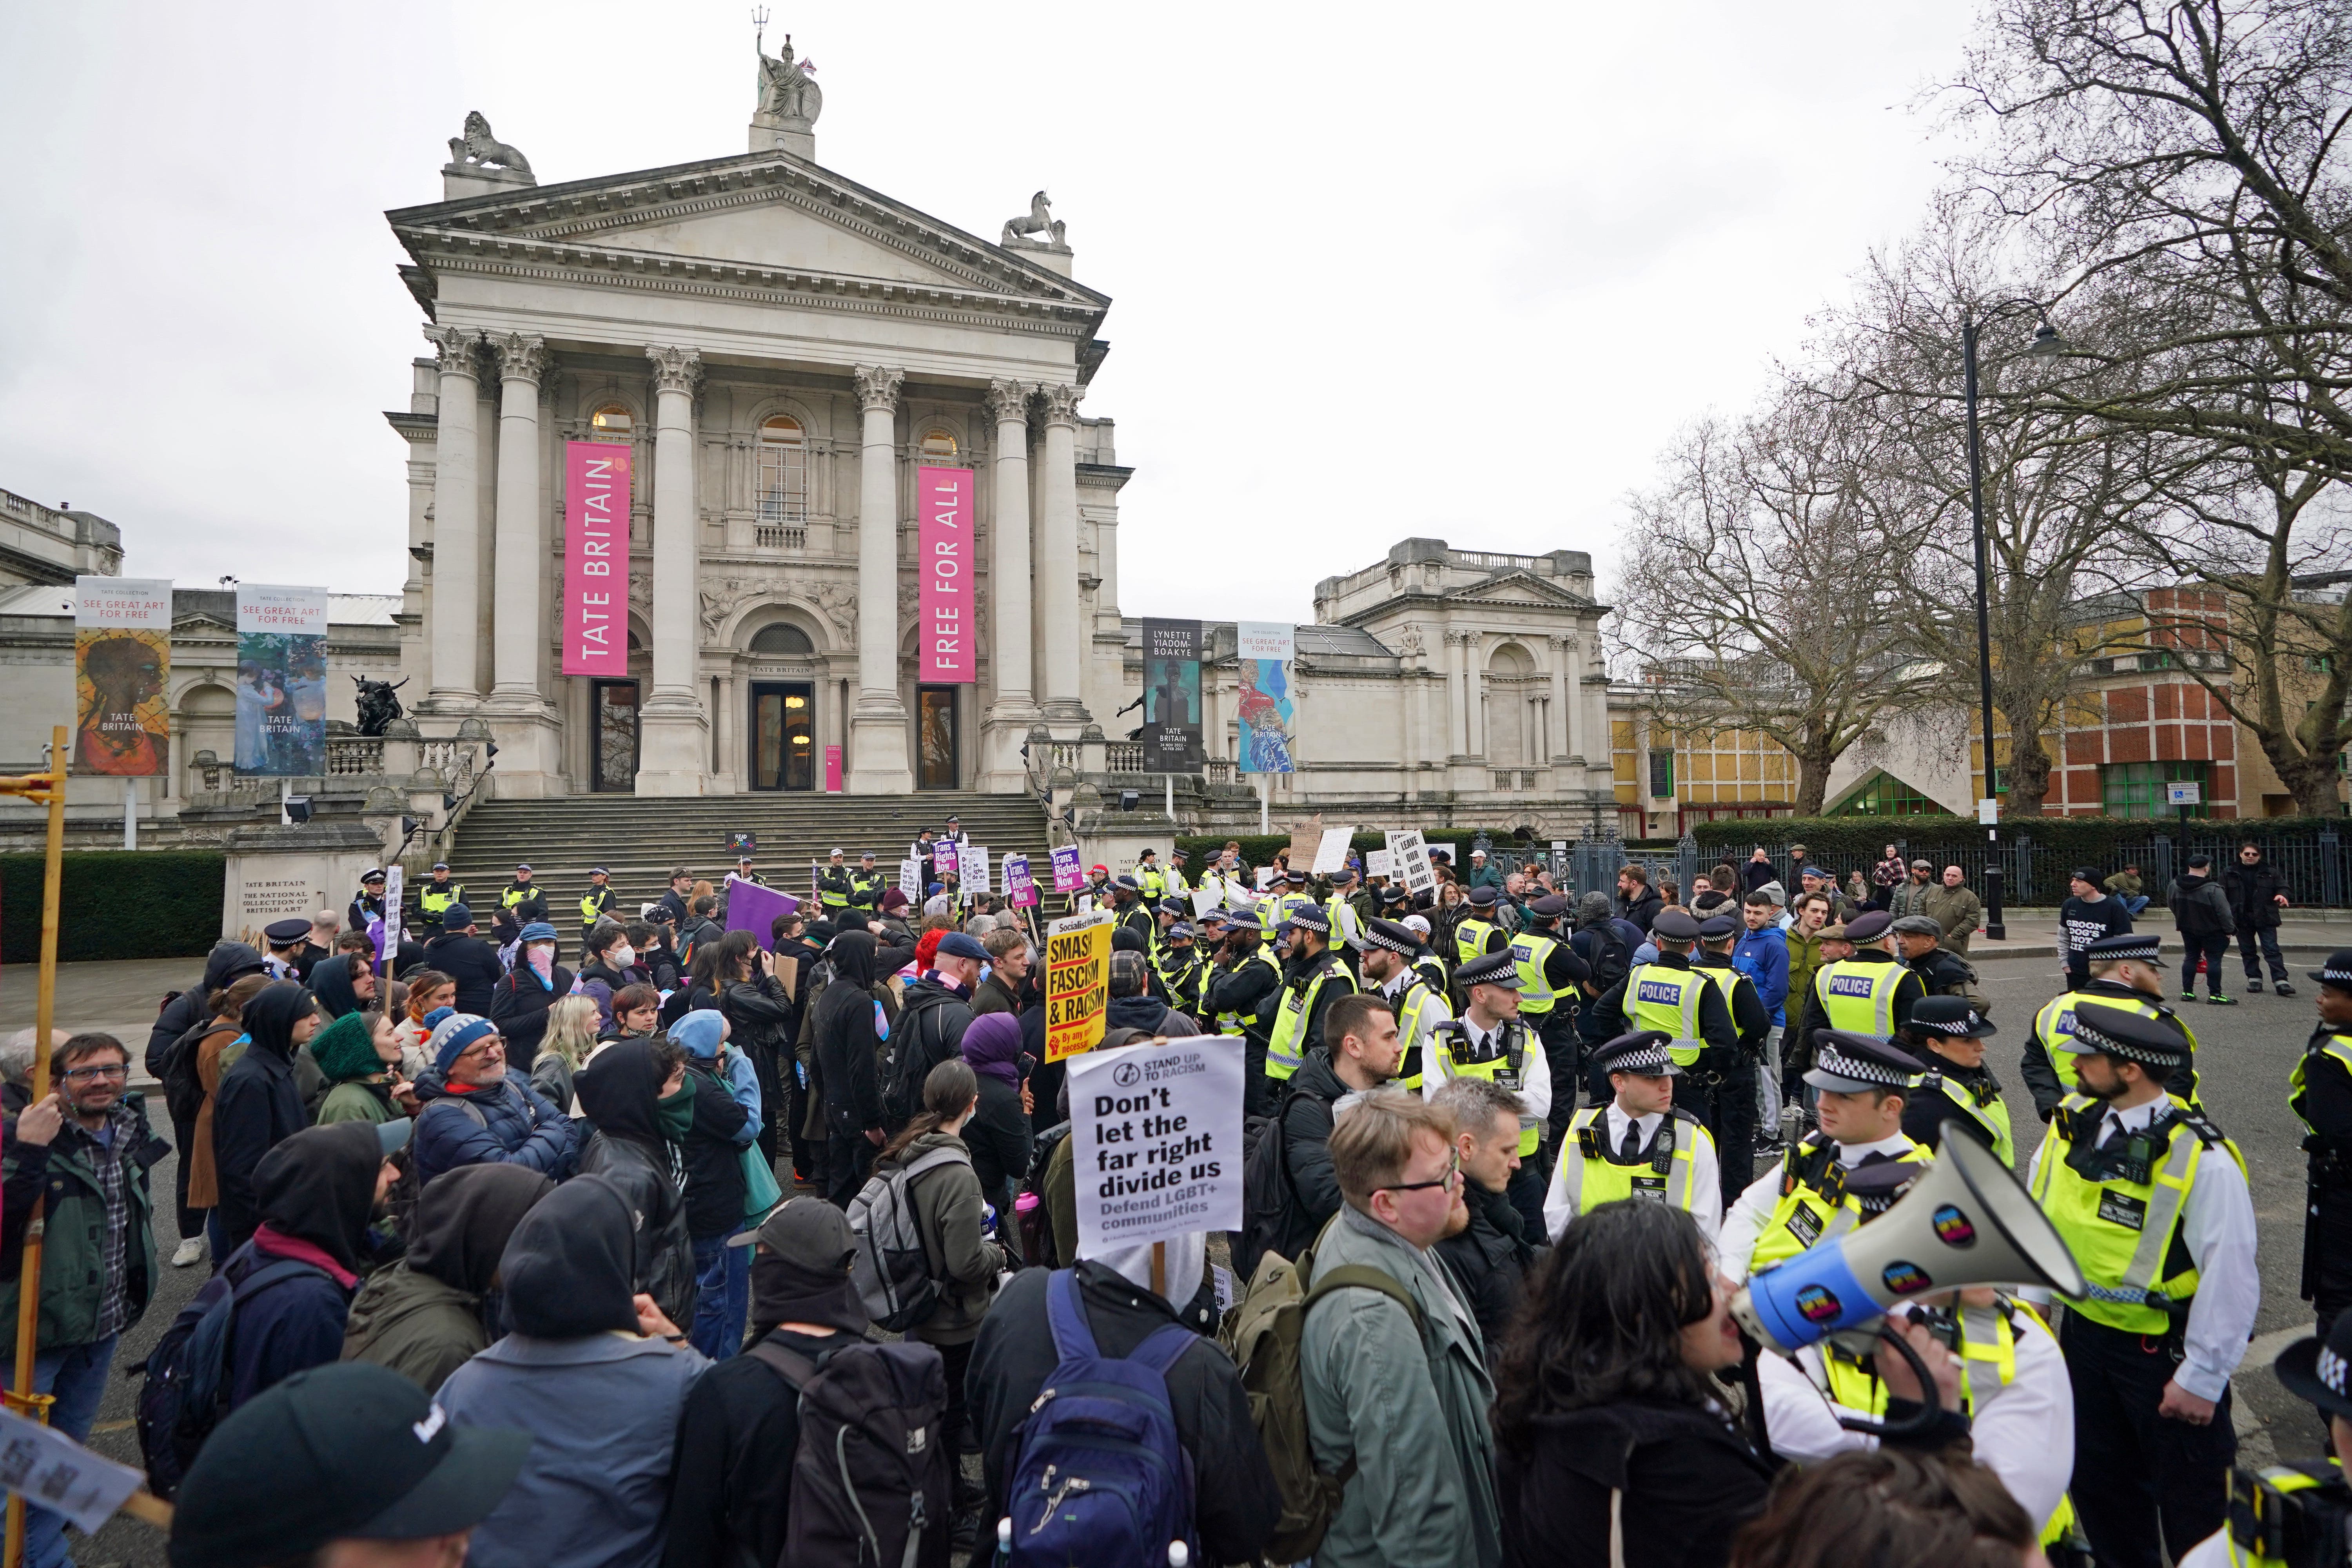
(478, 146)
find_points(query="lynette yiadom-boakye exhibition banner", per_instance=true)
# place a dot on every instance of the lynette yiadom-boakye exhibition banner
(1171, 697)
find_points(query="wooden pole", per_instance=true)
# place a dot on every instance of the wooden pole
(47, 788)
(1160, 1270)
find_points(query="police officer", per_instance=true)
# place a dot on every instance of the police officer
(369, 905)
(1551, 979)
(1668, 996)
(1295, 895)
(2127, 974)
(1134, 914)
(2319, 1090)
(1730, 1102)
(1177, 885)
(594, 902)
(1489, 1041)
(2152, 1201)
(433, 898)
(1180, 969)
(1862, 1081)
(866, 885)
(1242, 995)
(1476, 932)
(1163, 920)
(2294, 1514)
(1863, 993)
(1420, 1006)
(1427, 961)
(1638, 1144)
(1149, 877)
(743, 872)
(835, 890)
(526, 902)
(1312, 979)
(1948, 1034)
(285, 940)
(1942, 972)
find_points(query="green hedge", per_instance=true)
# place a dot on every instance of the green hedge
(2091, 836)
(115, 903)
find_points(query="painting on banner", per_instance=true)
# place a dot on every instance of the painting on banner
(281, 681)
(1078, 983)
(122, 676)
(1156, 1140)
(1266, 715)
(947, 638)
(596, 558)
(1171, 697)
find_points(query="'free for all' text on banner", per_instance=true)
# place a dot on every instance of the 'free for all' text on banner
(1078, 983)
(946, 639)
(596, 491)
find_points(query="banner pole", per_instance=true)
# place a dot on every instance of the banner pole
(1264, 807)
(1160, 1270)
(131, 814)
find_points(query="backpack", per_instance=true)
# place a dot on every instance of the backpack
(1263, 1335)
(870, 1482)
(186, 1389)
(891, 1269)
(1269, 1194)
(905, 1064)
(1098, 1475)
(1034, 1219)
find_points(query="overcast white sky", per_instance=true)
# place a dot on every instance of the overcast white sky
(1377, 271)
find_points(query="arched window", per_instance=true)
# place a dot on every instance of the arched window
(783, 472)
(782, 640)
(612, 421)
(939, 443)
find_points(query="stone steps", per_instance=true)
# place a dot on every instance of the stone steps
(640, 840)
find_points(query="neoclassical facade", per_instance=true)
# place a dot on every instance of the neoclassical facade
(781, 348)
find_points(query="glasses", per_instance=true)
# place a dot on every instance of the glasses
(83, 1075)
(1453, 1177)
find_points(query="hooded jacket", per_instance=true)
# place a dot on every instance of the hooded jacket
(846, 1039)
(601, 1403)
(425, 1317)
(331, 983)
(469, 960)
(519, 1006)
(998, 1132)
(63, 1175)
(1690, 1480)
(947, 1210)
(227, 962)
(510, 1123)
(928, 1031)
(619, 1093)
(316, 1192)
(344, 1052)
(715, 1187)
(257, 1106)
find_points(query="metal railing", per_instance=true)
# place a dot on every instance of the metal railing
(2315, 868)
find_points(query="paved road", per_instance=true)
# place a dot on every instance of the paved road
(2245, 1053)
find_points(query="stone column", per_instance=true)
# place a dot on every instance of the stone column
(1057, 557)
(673, 736)
(1457, 696)
(1015, 708)
(878, 730)
(1572, 658)
(530, 760)
(457, 523)
(1555, 740)
(1474, 675)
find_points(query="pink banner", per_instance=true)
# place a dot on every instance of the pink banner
(947, 638)
(832, 770)
(596, 558)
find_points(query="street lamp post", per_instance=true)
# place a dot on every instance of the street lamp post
(2045, 342)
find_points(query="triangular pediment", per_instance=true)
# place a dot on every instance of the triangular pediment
(762, 219)
(1515, 587)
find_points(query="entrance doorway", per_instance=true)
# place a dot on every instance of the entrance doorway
(938, 756)
(614, 737)
(783, 734)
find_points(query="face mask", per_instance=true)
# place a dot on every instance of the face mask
(623, 956)
(542, 959)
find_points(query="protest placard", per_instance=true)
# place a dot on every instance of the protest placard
(973, 860)
(754, 908)
(1410, 857)
(1068, 875)
(50, 1469)
(1156, 1138)
(1207, 898)
(1020, 889)
(1380, 863)
(910, 879)
(387, 930)
(1078, 983)
(1306, 838)
(1330, 851)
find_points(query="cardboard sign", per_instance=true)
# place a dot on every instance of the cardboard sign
(1156, 1140)
(1306, 838)
(1020, 887)
(1331, 851)
(1078, 983)
(1380, 863)
(1068, 875)
(910, 879)
(1206, 898)
(974, 861)
(1410, 857)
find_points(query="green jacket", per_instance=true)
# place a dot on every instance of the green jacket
(1410, 1409)
(73, 1242)
(414, 1324)
(1804, 957)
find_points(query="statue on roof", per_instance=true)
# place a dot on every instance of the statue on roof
(788, 90)
(479, 147)
(1039, 220)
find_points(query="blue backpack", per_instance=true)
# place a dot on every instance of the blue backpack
(1099, 1478)
(186, 1389)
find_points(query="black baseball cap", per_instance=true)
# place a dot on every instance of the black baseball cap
(346, 1451)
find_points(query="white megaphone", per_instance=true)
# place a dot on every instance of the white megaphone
(1968, 1220)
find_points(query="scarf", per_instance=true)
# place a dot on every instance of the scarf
(675, 1115)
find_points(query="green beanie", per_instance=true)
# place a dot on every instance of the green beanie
(345, 1049)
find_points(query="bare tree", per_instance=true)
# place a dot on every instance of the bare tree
(1761, 593)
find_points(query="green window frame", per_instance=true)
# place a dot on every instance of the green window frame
(2136, 789)
(1888, 797)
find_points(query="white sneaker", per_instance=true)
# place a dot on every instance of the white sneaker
(190, 1251)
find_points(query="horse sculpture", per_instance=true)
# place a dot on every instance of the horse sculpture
(1039, 221)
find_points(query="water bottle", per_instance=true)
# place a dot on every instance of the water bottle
(1179, 1556)
(1004, 1539)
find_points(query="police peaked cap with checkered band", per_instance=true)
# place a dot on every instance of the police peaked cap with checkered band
(1310, 917)
(2337, 972)
(1848, 1063)
(2151, 1042)
(1877, 1181)
(1482, 896)
(1951, 1016)
(2321, 1372)
(1550, 907)
(1717, 928)
(1391, 936)
(2139, 947)
(1868, 926)
(1490, 969)
(1643, 1051)
(1674, 925)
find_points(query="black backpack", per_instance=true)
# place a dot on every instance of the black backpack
(187, 1374)
(872, 1474)
(1269, 1194)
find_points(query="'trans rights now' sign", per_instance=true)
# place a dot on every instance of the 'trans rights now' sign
(1157, 1134)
